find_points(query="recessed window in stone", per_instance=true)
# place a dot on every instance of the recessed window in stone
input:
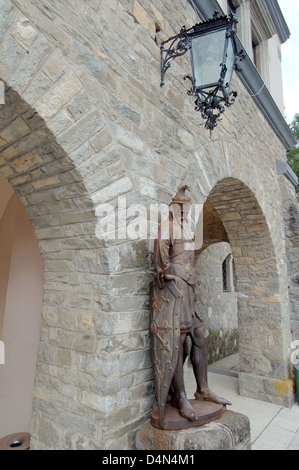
(224, 276)
(228, 274)
(254, 46)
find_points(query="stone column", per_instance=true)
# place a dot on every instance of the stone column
(262, 59)
(291, 217)
(244, 26)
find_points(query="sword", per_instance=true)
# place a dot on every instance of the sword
(172, 286)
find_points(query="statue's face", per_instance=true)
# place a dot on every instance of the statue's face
(180, 212)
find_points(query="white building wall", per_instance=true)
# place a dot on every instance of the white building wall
(275, 72)
(267, 56)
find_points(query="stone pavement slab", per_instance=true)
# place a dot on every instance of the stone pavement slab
(273, 427)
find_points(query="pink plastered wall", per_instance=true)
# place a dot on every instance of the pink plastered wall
(21, 296)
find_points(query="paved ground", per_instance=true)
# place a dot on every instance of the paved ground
(272, 426)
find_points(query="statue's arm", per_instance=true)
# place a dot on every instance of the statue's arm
(161, 254)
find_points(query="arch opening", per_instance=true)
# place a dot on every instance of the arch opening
(21, 297)
(235, 217)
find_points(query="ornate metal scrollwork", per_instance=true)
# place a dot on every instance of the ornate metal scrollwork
(209, 104)
(179, 45)
(211, 98)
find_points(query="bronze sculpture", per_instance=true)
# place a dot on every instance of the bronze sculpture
(173, 319)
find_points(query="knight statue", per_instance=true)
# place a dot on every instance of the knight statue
(174, 319)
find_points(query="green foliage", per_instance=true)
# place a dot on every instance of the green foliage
(293, 153)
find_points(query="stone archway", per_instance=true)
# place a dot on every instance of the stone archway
(218, 306)
(94, 383)
(217, 300)
(63, 217)
(264, 331)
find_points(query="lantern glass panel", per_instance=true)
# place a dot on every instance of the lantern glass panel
(230, 62)
(207, 56)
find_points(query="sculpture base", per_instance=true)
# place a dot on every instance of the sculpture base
(207, 412)
(230, 432)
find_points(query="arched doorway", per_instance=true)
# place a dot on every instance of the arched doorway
(235, 216)
(21, 297)
(54, 198)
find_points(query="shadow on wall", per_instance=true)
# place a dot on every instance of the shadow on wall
(21, 297)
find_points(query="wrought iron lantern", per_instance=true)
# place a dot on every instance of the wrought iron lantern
(214, 56)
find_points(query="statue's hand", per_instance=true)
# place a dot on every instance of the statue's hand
(169, 277)
(160, 279)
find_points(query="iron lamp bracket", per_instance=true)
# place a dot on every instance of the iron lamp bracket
(211, 98)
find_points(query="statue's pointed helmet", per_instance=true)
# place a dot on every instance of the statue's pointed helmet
(181, 197)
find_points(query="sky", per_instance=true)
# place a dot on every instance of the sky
(290, 58)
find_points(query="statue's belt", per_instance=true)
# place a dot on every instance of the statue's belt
(180, 271)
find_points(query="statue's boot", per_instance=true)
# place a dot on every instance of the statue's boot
(208, 395)
(185, 408)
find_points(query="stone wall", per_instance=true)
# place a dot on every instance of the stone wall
(85, 122)
(293, 258)
(291, 216)
(218, 308)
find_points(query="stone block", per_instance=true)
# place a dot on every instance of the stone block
(230, 432)
(7, 16)
(67, 87)
(24, 32)
(15, 130)
(130, 141)
(111, 191)
(79, 106)
(125, 110)
(30, 66)
(11, 54)
(84, 129)
(27, 163)
(102, 139)
(268, 389)
(55, 67)
(48, 432)
(142, 17)
(60, 122)
(46, 182)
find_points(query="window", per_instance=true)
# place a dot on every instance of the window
(224, 275)
(228, 274)
(254, 46)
